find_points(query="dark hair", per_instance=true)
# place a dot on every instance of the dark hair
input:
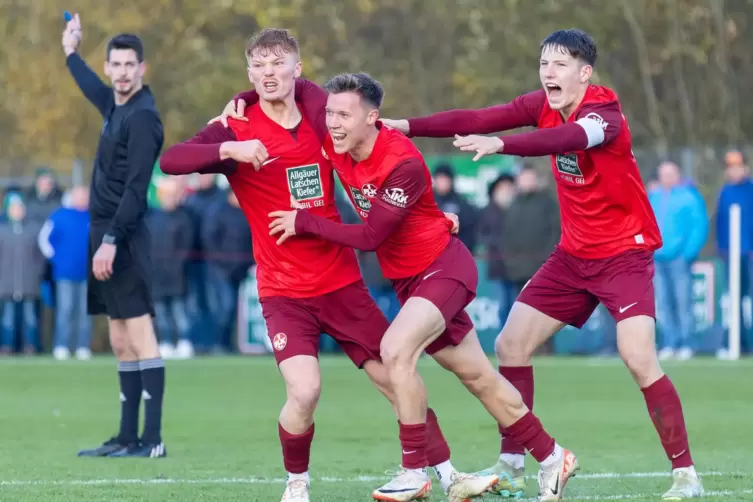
(577, 43)
(273, 40)
(362, 84)
(126, 41)
(502, 178)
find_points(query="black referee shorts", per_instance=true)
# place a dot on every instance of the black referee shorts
(127, 293)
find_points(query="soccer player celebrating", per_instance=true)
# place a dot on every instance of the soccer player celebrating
(609, 233)
(432, 272)
(309, 286)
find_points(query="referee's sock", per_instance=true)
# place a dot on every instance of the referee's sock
(130, 399)
(153, 381)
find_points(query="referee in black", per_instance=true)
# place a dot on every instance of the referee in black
(118, 286)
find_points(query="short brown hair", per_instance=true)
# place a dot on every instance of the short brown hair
(275, 40)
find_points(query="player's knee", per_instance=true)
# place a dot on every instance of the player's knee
(121, 345)
(395, 359)
(512, 347)
(304, 396)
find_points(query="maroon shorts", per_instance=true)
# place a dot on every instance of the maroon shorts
(349, 315)
(450, 284)
(568, 289)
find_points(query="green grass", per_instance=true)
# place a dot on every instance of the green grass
(221, 433)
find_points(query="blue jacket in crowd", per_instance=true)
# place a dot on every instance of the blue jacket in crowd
(683, 221)
(64, 239)
(742, 194)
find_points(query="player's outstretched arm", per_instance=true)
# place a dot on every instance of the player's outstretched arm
(521, 112)
(145, 137)
(311, 97)
(595, 125)
(201, 154)
(385, 214)
(90, 84)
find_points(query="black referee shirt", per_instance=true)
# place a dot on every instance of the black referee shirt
(129, 144)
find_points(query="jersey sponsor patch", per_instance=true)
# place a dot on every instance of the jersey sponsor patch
(395, 196)
(568, 164)
(305, 182)
(363, 202)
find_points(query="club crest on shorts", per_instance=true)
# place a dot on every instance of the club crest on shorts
(280, 341)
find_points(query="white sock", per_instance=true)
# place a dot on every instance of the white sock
(556, 456)
(690, 470)
(514, 460)
(444, 473)
(304, 476)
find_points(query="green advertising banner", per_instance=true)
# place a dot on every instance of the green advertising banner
(598, 333)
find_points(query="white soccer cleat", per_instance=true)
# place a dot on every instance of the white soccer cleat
(83, 354)
(61, 353)
(184, 350)
(406, 485)
(166, 350)
(297, 490)
(666, 354)
(464, 487)
(685, 485)
(553, 478)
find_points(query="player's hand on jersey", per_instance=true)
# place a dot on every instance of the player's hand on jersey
(250, 151)
(232, 110)
(284, 223)
(103, 260)
(455, 222)
(482, 145)
(72, 35)
(399, 124)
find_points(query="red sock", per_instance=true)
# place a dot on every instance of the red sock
(296, 449)
(437, 449)
(521, 377)
(529, 432)
(665, 410)
(413, 440)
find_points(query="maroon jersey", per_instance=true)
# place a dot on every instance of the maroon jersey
(604, 207)
(394, 178)
(302, 268)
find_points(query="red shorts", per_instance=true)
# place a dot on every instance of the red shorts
(450, 284)
(349, 315)
(568, 289)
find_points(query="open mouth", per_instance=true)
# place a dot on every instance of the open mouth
(553, 90)
(270, 86)
(338, 137)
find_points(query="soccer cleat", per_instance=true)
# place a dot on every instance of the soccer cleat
(112, 445)
(143, 450)
(511, 482)
(464, 487)
(406, 485)
(685, 485)
(297, 490)
(553, 478)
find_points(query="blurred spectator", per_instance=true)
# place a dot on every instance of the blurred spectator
(199, 203)
(683, 222)
(172, 238)
(738, 189)
(226, 240)
(449, 201)
(532, 229)
(491, 231)
(44, 197)
(21, 270)
(64, 241)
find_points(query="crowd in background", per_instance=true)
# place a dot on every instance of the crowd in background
(202, 253)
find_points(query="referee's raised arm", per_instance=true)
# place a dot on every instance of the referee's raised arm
(96, 91)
